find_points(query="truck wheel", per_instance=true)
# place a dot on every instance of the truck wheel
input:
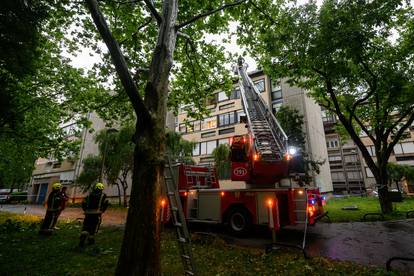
(239, 222)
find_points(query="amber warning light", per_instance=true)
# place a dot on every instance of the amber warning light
(269, 203)
(163, 203)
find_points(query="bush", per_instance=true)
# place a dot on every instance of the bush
(18, 196)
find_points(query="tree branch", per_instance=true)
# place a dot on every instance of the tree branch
(119, 61)
(140, 27)
(205, 14)
(389, 130)
(398, 135)
(153, 11)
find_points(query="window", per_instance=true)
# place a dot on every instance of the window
(196, 149)
(350, 159)
(239, 114)
(408, 147)
(222, 96)
(197, 125)
(226, 130)
(226, 119)
(338, 176)
(211, 100)
(224, 141)
(209, 123)
(277, 95)
(211, 145)
(276, 85)
(369, 172)
(260, 85)
(334, 158)
(182, 128)
(371, 150)
(208, 134)
(276, 106)
(332, 143)
(226, 106)
(235, 94)
(354, 175)
(203, 148)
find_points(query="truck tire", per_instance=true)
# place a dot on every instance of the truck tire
(239, 222)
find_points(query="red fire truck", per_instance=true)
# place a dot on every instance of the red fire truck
(274, 194)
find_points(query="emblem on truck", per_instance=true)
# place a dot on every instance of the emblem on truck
(240, 171)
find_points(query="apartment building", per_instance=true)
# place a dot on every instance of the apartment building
(224, 122)
(345, 159)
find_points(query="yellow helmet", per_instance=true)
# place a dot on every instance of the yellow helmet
(99, 186)
(56, 186)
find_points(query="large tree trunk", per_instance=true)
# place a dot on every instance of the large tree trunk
(140, 252)
(124, 188)
(382, 181)
(119, 194)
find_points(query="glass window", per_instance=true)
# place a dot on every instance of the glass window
(239, 114)
(224, 141)
(208, 134)
(276, 106)
(276, 86)
(277, 95)
(197, 125)
(196, 149)
(211, 145)
(209, 123)
(226, 106)
(226, 130)
(182, 128)
(408, 147)
(222, 96)
(235, 94)
(203, 148)
(226, 119)
(260, 85)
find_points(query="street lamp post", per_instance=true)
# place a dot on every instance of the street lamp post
(111, 130)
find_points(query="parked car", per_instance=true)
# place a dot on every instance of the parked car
(4, 195)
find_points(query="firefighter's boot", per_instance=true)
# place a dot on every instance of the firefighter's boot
(83, 237)
(91, 240)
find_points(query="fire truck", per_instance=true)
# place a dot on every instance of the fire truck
(274, 195)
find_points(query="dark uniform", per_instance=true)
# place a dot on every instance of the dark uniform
(54, 202)
(63, 200)
(93, 205)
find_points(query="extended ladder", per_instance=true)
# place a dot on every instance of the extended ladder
(269, 138)
(178, 219)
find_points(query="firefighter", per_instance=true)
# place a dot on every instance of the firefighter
(53, 205)
(93, 205)
(63, 200)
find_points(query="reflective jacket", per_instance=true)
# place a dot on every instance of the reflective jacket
(54, 201)
(95, 203)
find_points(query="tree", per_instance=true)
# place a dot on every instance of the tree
(178, 148)
(150, 56)
(292, 123)
(119, 156)
(222, 162)
(91, 171)
(38, 89)
(355, 59)
(399, 172)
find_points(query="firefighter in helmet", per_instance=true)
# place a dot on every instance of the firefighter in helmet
(53, 204)
(93, 205)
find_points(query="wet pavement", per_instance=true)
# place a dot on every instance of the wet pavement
(368, 243)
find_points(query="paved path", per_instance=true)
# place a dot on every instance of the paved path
(369, 243)
(110, 217)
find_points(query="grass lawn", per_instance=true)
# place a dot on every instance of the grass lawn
(365, 205)
(23, 252)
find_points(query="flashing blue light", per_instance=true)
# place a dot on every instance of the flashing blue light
(312, 202)
(323, 198)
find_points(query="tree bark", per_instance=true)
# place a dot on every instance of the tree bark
(382, 181)
(119, 194)
(140, 252)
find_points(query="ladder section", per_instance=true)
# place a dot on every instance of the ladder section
(270, 139)
(178, 219)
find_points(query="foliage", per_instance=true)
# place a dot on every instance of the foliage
(179, 148)
(91, 172)
(398, 172)
(39, 88)
(222, 162)
(353, 57)
(365, 205)
(60, 256)
(118, 149)
(292, 123)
